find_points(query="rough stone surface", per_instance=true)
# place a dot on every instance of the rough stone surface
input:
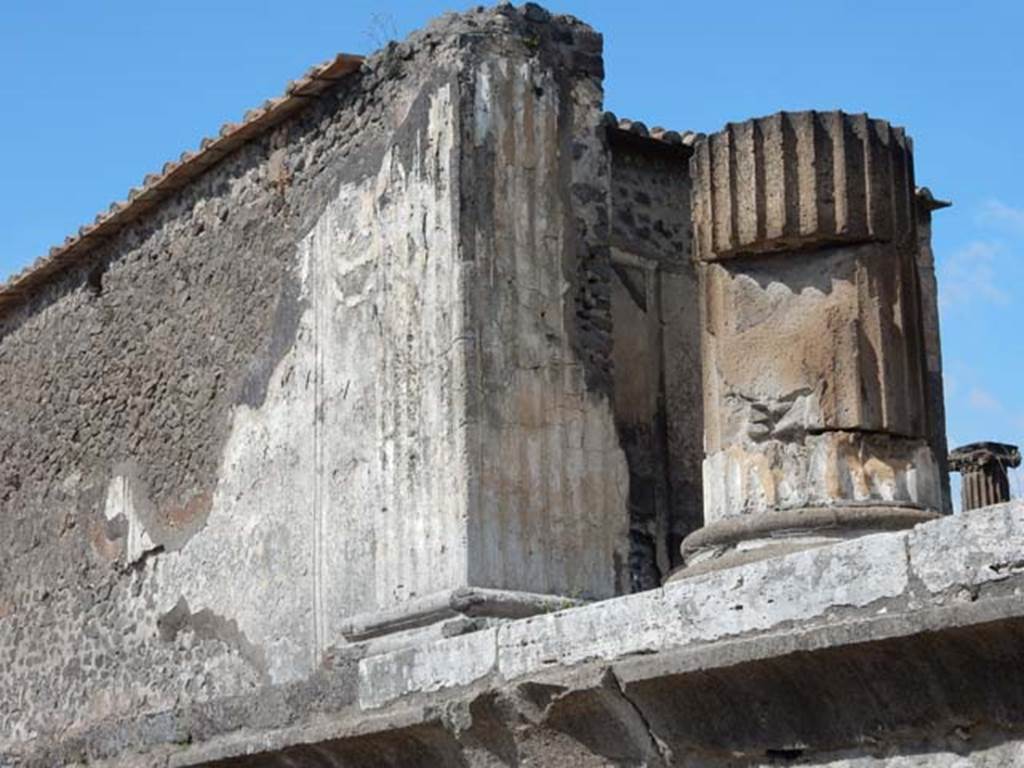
(802, 178)
(854, 655)
(449, 663)
(362, 360)
(989, 549)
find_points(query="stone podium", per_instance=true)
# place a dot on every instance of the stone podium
(815, 402)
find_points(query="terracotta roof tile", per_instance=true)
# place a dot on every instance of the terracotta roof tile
(639, 129)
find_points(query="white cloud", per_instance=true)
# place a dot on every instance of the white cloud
(969, 275)
(995, 212)
(982, 400)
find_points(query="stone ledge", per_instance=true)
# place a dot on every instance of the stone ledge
(874, 575)
(449, 604)
(879, 633)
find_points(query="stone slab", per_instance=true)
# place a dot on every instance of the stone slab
(802, 587)
(969, 549)
(450, 663)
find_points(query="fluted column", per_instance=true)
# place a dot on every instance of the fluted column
(814, 402)
(982, 467)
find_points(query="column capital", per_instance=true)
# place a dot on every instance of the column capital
(975, 456)
(797, 179)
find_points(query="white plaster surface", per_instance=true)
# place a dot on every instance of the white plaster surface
(338, 494)
(373, 473)
(121, 502)
(998, 756)
(756, 597)
(449, 663)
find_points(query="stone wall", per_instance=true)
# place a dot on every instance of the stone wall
(158, 433)
(362, 360)
(656, 350)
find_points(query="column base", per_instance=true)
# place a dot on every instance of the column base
(748, 538)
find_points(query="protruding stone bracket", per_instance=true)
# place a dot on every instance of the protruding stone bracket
(927, 202)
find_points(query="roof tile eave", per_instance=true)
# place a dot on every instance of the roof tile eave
(175, 175)
(639, 130)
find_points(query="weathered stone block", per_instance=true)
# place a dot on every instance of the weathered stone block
(817, 471)
(969, 550)
(450, 663)
(800, 587)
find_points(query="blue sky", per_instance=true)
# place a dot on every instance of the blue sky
(98, 93)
